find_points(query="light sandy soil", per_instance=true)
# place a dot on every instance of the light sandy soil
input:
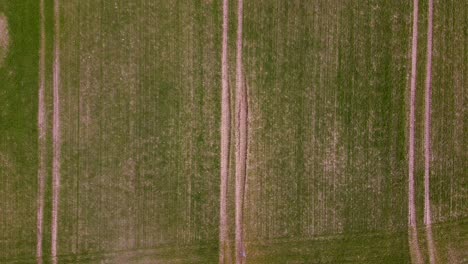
(225, 141)
(427, 139)
(56, 136)
(427, 121)
(4, 38)
(414, 48)
(42, 140)
(431, 246)
(415, 250)
(241, 141)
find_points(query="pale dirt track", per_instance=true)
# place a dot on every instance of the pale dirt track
(56, 135)
(225, 141)
(413, 243)
(241, 141)
(4, 38)
(414, 54)
(427, 139)
(42, 140)
(427, 120)
(415, 251)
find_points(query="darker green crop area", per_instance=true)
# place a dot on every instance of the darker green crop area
(18, 128)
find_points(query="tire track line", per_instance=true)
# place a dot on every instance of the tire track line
(427, 137)
(431, 247)
(241, 141)
(225, 140)
(56, 136)
(427, 121)
(42, 140)
(411, 191)
(415, 251)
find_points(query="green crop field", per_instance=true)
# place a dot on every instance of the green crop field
(131, 127)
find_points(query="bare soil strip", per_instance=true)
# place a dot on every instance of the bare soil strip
(414, 48)
(241, 141)
(427, 138)
(431, 248)
(4, 38)
(56, 130)
(427, 121)
(42, 141)
(225, 140)
(415, 251)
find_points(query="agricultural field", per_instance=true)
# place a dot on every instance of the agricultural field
(111, 122)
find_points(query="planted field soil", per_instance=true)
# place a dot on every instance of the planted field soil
(111, 123)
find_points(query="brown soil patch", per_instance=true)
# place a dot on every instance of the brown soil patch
(4, 38)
